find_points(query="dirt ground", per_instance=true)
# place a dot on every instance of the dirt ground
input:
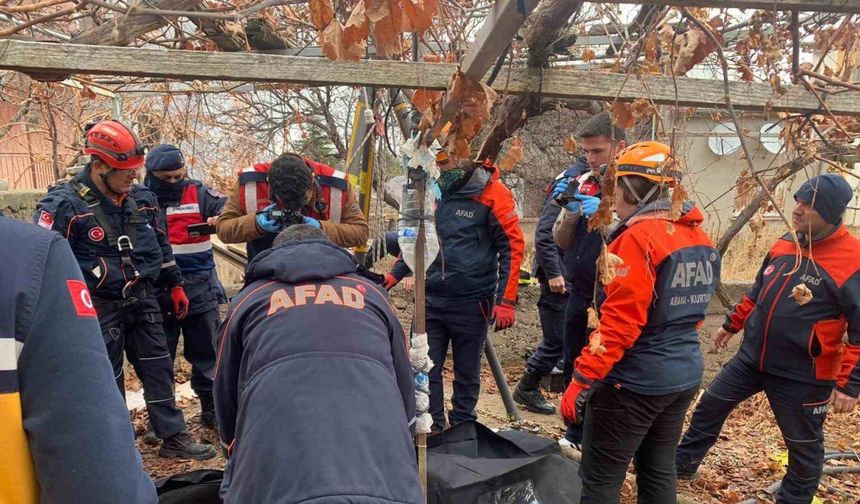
(741, 466)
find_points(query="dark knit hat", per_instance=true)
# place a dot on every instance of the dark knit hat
(829, 195)
(164, 157)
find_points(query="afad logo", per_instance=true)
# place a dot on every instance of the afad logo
(769, 270)
(97, 234)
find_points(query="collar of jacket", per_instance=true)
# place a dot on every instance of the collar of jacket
(477, 182)
(659, 210)
(302, 261)
(838, 233)
(85, 177)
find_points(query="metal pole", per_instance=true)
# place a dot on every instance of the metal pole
(499, 375)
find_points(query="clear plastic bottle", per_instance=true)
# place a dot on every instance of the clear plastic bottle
(407, 225)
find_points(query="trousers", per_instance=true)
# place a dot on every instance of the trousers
(551, 307)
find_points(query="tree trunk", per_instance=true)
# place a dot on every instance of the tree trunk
(123, 30)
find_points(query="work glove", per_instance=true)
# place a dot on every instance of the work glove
(180, 302)
(265, 223)
(310, 221)
(588, 205)
(504, 315)
(560, 187)
(575, 398)
(390, 281)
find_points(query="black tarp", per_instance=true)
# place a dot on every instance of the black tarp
(469, 463)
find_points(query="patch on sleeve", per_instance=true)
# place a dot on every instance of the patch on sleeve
(46, 220)
(81, 298)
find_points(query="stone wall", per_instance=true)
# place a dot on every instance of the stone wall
(20, 204)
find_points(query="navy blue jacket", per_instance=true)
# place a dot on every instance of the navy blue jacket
(313, 387)
(66, 212)
(548, 262)
(202, 286)
(579, 260)
(62, 413)
(805, 342)
(481, 244)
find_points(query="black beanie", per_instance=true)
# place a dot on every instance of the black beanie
(829, 195)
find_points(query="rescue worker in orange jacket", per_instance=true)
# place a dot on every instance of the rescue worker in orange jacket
(643, 365)
(792, 347)
(322, 196)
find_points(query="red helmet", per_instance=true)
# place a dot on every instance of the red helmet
(115, 144)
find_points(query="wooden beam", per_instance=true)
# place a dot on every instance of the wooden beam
(46, 58)
(848, 6)
(501, 24)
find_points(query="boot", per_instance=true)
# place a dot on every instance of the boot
(183, 446)
(149, 437)
(528, 395)
(207, 411)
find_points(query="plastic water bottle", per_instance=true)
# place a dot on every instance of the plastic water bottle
(407, 226)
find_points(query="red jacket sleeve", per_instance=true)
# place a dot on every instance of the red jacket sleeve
(508, 237)
(624, 312)
(736, 318)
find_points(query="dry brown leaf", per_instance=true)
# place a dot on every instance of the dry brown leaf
(378, 9)
(570, 144)
(622, 115)
(357, 28)
(651, 46)
(593, 319)
(322, 13)
(425, 98)
(801, 294)
(88, 93)
(331, 40)
(588, 55)
(606, 264)
(603, 217)
(595, 344)
(387, 32)
(692, 48)
(679, 196)
(513, 156)
(473, 102)
(757, 223)
(419, 14)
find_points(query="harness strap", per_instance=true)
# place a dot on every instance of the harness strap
(124, 243)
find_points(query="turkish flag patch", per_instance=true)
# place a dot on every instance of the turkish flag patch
(46, 220)
(81, 298)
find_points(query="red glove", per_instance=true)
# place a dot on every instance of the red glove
(574, 399)
(180, 302)
(504, 315)
(390, 281)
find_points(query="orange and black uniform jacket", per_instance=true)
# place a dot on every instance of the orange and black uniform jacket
(481, 242)
(652, 308)
(805, 342)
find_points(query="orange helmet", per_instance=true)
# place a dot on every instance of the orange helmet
(115, 144)
(651, 160)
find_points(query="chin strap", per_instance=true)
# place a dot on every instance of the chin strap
(640, 201)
